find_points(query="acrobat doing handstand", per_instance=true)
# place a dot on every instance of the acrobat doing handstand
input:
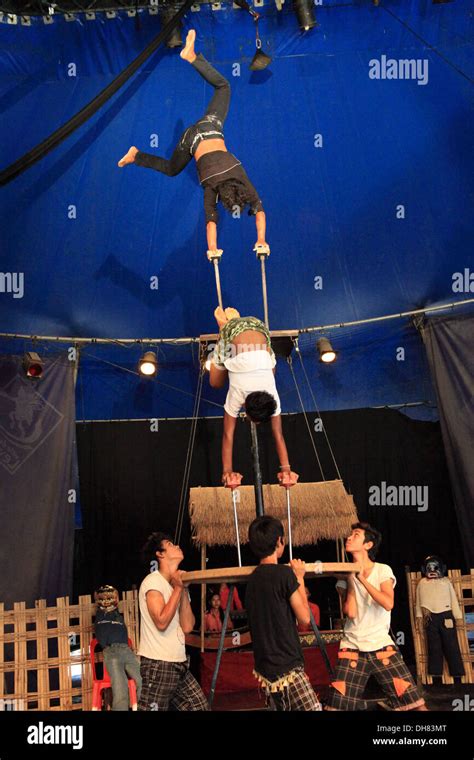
(221, 174)
(244, 357)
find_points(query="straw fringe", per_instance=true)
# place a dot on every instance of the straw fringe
(318, 511)
(274, 686)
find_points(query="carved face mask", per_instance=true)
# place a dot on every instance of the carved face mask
(433, 568)
(107, 598)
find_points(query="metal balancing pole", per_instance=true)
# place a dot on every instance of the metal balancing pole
(214, 257)
(257, 473)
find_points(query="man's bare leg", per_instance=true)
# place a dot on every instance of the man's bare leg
(187, 53)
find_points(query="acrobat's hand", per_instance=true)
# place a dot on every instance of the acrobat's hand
(287, 478)
(176, 580)
(262, 249)
(298, 567)
(231, 479)
(214, 253)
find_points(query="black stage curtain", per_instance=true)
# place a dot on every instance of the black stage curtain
(449, 344)
(37, 450)
(131, 479)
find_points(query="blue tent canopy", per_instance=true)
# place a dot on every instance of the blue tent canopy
(366, 183)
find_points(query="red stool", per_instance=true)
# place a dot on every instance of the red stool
(105, 683)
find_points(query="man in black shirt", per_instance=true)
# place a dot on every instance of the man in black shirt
(221, 174)
(275, 597)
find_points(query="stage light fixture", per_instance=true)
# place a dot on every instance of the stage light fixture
(32, 364)
(304, 10)
(326, 351)
(148, 364)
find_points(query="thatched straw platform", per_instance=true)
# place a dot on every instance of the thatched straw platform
(318, 511)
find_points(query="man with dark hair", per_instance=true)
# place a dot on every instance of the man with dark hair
(366, 648)
(220, 173)
(244, 357)
(166, 616)
(275, 597)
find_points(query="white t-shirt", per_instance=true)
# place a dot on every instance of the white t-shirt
(166, 645)
(368, 631)
(250, 371)
(437, 595)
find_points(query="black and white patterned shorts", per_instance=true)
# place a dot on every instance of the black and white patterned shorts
(389, 669)
(169, 686)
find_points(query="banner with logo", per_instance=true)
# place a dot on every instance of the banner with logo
(37, 480)
(449, 344)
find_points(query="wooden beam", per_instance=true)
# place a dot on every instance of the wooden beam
(242, 574)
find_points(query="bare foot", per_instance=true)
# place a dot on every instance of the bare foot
(187, 53)
(220, 316)
(129, 157)
(231, 313)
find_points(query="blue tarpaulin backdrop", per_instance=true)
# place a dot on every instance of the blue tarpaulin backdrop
(88, 236)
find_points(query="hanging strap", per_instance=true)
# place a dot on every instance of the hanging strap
(54, 139)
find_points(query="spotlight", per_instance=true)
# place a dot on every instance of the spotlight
(148, 364)
(260, 61)
(304, 10)
(175, 38)
(32, 364)
(326, 351)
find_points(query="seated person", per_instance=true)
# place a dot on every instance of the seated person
(307, 628)
(215, 617)
(235, 604)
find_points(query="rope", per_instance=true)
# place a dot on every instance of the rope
(290, 364)
(297, 349)
(189, 456)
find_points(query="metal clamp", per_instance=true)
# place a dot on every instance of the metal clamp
(261, 249)
(211, 255)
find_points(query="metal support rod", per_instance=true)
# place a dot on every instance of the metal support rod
(257, 473)
(236, 521)
(264, 289)
(288, 510)
(221, 646)
(215, 261)
(203, 596)
(321, 644)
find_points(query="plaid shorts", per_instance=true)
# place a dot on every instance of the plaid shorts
(297, 696)
(169, 685)
(231, 330)
(389, 669)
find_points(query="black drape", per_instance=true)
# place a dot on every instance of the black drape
(449, 343)
(37, 426)
(131, 480)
